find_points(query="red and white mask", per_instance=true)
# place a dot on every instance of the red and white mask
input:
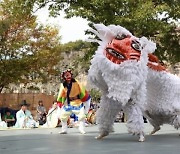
(67, 75)
(123, 48)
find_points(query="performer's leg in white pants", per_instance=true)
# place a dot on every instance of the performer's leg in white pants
(64, 117)
(81, 118)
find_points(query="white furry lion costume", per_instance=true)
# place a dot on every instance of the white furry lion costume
(163, 96)
(119, 70)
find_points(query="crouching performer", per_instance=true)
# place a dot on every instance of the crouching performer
(75, 99)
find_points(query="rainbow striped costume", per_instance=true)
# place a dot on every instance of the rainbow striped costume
(72, 97)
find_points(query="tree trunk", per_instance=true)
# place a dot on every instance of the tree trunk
(1, 88)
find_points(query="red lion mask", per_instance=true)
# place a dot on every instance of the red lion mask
(124, 47)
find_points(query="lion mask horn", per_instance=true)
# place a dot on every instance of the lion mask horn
(106, 33)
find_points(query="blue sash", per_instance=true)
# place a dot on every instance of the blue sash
(70, 108)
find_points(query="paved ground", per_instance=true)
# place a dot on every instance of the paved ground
(48, 141)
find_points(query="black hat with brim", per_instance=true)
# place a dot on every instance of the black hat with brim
(24, 103)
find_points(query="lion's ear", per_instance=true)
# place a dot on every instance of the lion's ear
(103, 33)
(147, 45)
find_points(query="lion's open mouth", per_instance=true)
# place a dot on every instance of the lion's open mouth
(114, 53)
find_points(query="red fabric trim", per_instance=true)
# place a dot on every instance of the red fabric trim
(158, 66)
(60, 104)
(85, 97)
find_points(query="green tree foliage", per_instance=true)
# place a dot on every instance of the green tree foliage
(76, 55)
(27, 50)
(155, 19)
(96, 95)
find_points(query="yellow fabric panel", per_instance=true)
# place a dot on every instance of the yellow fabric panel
(75, 90)
(62, 92)
(76, 102)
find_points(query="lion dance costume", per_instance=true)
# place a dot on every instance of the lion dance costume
(131, 78)
(75, 99)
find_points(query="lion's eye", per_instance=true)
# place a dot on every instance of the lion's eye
(120, 37)
(136, 45)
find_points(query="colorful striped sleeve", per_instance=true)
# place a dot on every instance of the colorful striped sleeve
(61, 96)
(84, 95)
